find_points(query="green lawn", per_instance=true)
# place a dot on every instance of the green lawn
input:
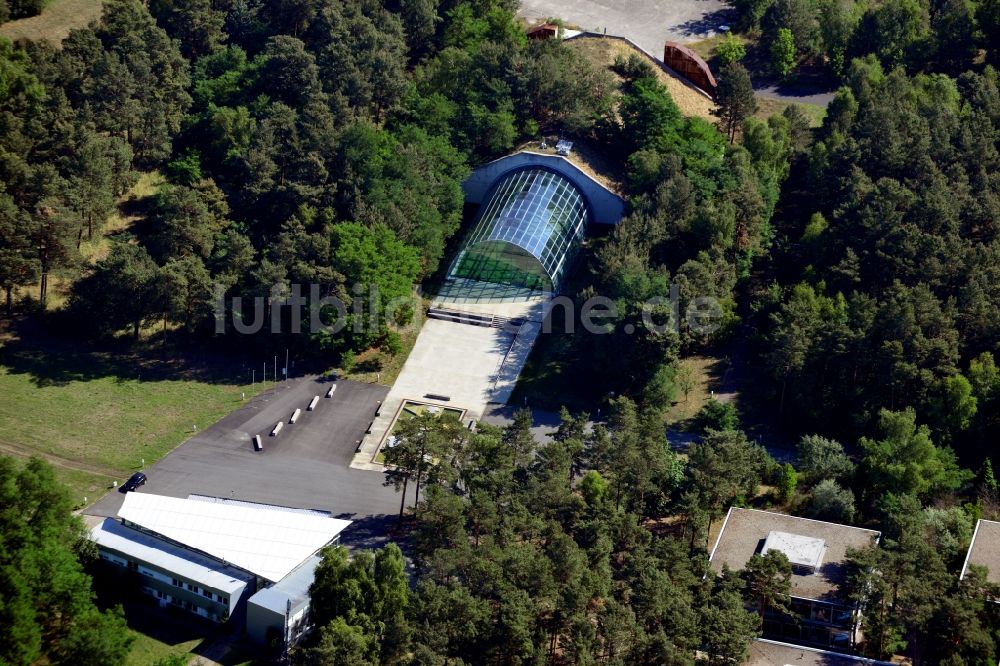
(767, 107)
(705, 48)
(706, 374)
(147, 650)
(95, 416)
(86, 487)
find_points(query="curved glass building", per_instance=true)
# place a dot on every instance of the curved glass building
(526, 235)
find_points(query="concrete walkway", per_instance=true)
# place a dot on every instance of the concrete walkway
(472, 366)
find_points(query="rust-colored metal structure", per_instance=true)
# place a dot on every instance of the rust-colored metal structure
(543, 31)
(689, 64)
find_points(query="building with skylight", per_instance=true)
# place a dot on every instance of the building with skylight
(534, 212)
(817, 551)
(527, 234)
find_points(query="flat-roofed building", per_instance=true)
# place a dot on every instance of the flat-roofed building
(282, 610)
(173, 574)
(265, 540)
(817, 551)
(984, 551)
(765, 652)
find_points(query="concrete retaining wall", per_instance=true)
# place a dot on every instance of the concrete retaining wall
(606, 207)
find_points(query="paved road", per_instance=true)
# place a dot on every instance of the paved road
(797, 94)
(305, 466)
(545, 423)
(648, 23)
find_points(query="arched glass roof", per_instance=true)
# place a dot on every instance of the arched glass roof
(526, 234)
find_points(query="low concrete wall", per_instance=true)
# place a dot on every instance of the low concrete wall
(606, 207)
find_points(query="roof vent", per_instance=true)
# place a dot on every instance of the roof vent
(804, 553)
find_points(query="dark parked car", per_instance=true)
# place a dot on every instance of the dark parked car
(134, 481)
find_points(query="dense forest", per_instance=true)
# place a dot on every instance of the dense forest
(324, 142)
(919, 35)
(275, 125)
(591, 549)
(46, 601)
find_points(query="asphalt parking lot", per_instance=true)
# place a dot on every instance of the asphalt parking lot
(648, 23)
(304, 466)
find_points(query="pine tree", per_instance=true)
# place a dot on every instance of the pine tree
(48, 614)
(735, 99)
(986, 482)
(92, 185)
(727, 626)
(18, 263)
(54, 226)
(768, 581)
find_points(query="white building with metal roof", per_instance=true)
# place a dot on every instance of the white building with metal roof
(282, 610)
(264, 540)
(209, 555)
(172, 574)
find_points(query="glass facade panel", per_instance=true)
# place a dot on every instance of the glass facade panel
(526, 234)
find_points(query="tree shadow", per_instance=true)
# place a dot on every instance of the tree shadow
(721, 376)
(49, 359)
(368, 532)
(373, 364)
(140, 211)
(378, 531)
(143, 614)
(808, 81)
(707, 22)
(232, 649)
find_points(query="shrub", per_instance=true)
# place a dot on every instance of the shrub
(392, 344)
(829, 501)
(730, 50)
(593, 487)
(786, 482)
(186, 170)
(821, 458)
(717, 415)
(783, 53)
(348, 360)
(632, 68)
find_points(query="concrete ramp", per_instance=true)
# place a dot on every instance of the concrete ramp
(465, 361)
(513, 362)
